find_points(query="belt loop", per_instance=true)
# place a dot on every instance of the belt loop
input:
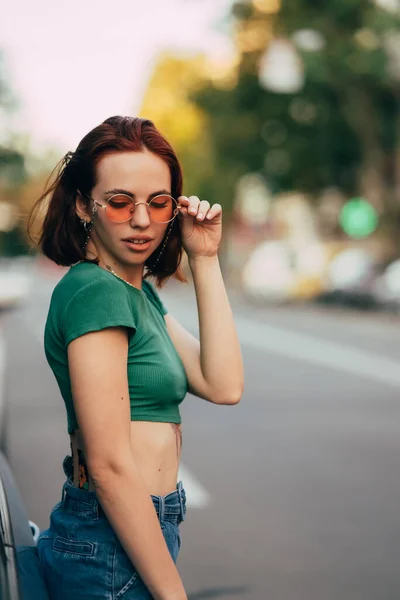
(96, 508)
(63, 490)
(180, 494)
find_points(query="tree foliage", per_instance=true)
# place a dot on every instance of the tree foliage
(342, 128)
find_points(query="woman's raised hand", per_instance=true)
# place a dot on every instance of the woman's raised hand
(201, 226)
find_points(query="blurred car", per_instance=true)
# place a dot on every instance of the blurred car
(350, 280)
(268, 273)
(278, 271)
(3, 404)
(20, 574)
(387, 287)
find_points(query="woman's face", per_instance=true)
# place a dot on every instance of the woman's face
(142, 175)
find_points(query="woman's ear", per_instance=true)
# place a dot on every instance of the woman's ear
(80, 206)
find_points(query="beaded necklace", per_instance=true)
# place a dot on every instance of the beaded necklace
(109, 268)
(121, 278)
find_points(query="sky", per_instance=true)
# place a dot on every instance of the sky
(73, 64)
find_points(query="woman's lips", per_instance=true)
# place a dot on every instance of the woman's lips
(137, 247)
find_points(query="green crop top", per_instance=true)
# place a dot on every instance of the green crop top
(88, 298)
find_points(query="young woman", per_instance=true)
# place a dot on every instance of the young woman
(115, 215)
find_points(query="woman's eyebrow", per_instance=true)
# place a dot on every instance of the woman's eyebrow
(122, 191)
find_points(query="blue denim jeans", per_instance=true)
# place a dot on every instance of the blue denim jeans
(80, 555)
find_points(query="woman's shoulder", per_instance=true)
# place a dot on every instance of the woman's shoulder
(88, 298)
(87, 278)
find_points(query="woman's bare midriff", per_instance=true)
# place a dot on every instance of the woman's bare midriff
(156, 449)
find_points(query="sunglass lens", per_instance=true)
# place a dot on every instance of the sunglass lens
(162, 208)
(120, 208)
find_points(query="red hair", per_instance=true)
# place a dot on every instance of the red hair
(62, 235)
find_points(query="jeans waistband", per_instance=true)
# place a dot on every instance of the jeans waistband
(171, 507)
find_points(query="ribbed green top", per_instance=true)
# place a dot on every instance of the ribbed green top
(88, 298)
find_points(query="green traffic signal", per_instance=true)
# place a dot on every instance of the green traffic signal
(358, 218)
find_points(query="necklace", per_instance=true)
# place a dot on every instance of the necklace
(121, 278)
(109, 268)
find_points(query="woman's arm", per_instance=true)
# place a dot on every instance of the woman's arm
(220, 354)
(214, 366)
(97, 365)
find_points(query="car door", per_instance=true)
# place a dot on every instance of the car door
(20, 574)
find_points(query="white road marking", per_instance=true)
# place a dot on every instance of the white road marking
(300, 346)
(319, 352)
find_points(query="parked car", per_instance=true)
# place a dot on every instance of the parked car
(20, 574)
(350, 280)
(3, 403)
(387, 287)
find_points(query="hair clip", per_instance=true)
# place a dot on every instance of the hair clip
(67, 157)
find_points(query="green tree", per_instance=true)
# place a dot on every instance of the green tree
(342, 128)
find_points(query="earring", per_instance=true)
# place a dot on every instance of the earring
(87, 227)
(86, 224)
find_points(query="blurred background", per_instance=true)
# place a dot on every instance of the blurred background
(288, 114)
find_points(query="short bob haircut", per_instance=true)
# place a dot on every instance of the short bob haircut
(62, 235)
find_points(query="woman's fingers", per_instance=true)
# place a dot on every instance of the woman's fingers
(193, 205)
(203, 209)
(188, 206)
(200, 209)
(215, 210)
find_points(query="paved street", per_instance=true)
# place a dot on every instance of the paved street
(294, 493)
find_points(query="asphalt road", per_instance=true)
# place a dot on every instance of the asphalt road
(293, 494)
